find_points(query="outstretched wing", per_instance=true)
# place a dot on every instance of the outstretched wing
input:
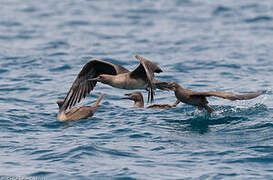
(145, 71)
(82, 86)
(229, 96)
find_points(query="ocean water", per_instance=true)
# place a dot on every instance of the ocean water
(203, 45)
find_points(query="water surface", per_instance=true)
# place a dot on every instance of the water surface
(215, 45)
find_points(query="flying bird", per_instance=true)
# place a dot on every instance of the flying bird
(139, 102)
(77, 113)
(116, 76)
(199, 99)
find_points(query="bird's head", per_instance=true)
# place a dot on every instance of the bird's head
(60, 102)
(103, 78)
(135, 96)
(172, 86)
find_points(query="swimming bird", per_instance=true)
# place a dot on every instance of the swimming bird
(114, 75)
(199, 99)
(77, 113)
(139, 103)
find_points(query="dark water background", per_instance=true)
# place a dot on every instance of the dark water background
(203, 45)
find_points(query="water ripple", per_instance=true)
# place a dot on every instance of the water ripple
(259, 19)
(204, 46)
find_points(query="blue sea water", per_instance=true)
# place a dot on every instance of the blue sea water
(203, 45)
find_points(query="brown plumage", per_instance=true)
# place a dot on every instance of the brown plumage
(114, 75)
(139, 102)
(77, 113)
(199, 99)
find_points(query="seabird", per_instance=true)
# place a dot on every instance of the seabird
(199, 99)
(77, 113)
(139, 103)
(114, 75)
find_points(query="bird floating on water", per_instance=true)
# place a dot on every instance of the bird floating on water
(77, 113)
(199, 99)
(139, 103)
(114, 75)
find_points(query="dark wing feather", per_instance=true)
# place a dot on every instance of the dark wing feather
(145, 71)
(81, 87)
(229, 96)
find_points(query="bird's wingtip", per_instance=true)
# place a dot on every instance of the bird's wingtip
(158, 70)
(138, 57)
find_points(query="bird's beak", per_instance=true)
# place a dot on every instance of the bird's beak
(127, 96)
(166, 86)
(96, 79)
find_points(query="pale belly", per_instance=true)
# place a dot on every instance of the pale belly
(129, 84)
(136, 85)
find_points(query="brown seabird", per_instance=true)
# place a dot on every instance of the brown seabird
(77, 113)
(114, 75)
(139, 103)
(199, 99)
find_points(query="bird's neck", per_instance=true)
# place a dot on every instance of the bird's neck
(139, 104)
(117, 81)
(108, 79)
(61, 115)
(179, 88)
